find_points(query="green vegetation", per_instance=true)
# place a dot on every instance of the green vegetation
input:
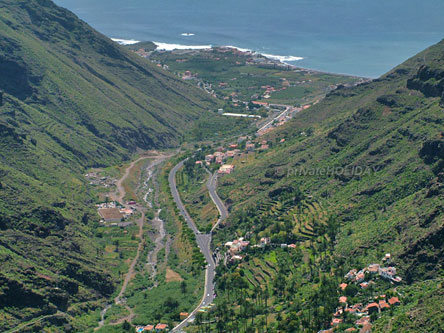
(370, 158)
(70, 99)
(234, 75)
(191, 183)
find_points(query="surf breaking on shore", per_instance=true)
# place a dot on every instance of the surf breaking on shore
(170, 47)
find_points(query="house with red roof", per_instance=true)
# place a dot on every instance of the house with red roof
(161, 327)
(343, 286)
(383, 305)
(343, 299)
(336, 321)
(394, 301)
(372, 307)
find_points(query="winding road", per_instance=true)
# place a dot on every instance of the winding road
(203, 240)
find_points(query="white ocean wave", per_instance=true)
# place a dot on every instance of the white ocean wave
(282, 58)
(239, 48)
(170, 47)
(188, 34)
(125, 41)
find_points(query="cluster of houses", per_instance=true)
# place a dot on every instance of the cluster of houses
(362, 312)
(235, 247)
(97, 180)
(151, 328)
(388, 273)
(233, 151)
(377, 304)
(111, 212)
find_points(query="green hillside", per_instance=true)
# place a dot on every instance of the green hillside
(359, 175)
(70, 99)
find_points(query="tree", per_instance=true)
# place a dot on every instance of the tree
(183, 287)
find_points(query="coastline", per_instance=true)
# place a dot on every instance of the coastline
(287, 59)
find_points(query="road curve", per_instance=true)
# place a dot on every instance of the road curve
(203, 241)
(211, 186)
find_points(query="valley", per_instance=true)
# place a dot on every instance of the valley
(212, 190)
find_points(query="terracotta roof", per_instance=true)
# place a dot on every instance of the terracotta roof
(383, 305)
(394, 300)
(161, 326)
(343, 286)
(342, 299)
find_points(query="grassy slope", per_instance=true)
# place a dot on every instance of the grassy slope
(394, 125)
(71, 99)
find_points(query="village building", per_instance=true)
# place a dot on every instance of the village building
(161, 327)
(250, 146)
(336, 321)
(226, 169)
(264, 241)
(373, 268)
(343, 286)
(183, 315)
(351, 274)
(394, 301)
(372, 307)
(383, 305)
(389, 273)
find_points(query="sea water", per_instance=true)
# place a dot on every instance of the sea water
(358, 37)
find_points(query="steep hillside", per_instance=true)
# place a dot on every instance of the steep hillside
(69, 99)
(372, 158)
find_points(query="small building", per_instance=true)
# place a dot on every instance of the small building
(394, 301)
(184, 315)
(343, 286)
(383, 305)
(343, 299)
(388, 273)
(387, 258)
(149, 328)
(250, 146)
(372, 307)
(360, 277)
(351, 274)
(364, 285)
(373, 268)
(226, 169)
(161, 327)
(264, 241)
(336, 321)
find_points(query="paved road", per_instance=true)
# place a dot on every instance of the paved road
(203, 241)
(211, 186)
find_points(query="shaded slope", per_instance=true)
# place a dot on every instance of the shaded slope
(69, 99)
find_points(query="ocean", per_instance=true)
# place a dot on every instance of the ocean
(358, 37)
